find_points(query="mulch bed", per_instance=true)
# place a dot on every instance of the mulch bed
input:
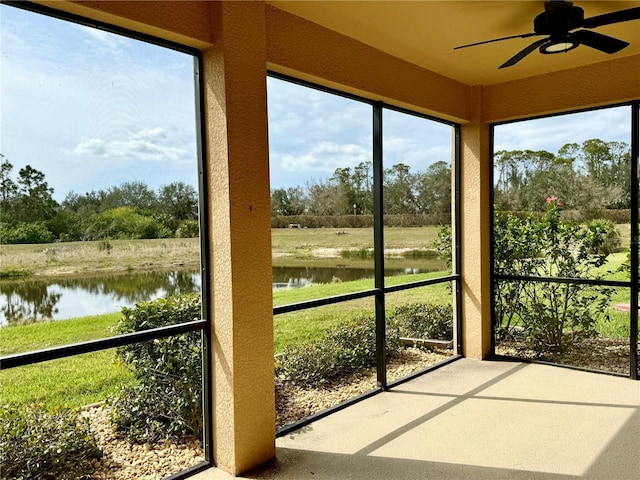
(295, 402)
(124, 461)
(603, 354)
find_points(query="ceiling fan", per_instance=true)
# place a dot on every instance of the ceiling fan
(557, 23)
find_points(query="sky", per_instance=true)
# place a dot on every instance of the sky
(91, 109)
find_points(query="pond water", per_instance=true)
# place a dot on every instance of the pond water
(33, 300)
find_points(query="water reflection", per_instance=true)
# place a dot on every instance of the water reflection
(294, 277)
(29, 301)
(35, 300)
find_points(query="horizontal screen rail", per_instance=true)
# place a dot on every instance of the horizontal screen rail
(421, 283)
(577, 281)
(54, 353)
(319, 302)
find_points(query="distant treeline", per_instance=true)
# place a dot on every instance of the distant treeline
(621, 216)
(358, 221)
(592, 179)
(29, 214)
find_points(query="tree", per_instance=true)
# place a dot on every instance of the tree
(35, 199)
(327, 198)
(362, 182)
(608, 163)
(289, 201)
(179, 202)
(399, 196)
(433, 189)
(136, 195)
(8, 188)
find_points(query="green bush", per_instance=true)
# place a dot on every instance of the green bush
(166, 400)
(423, 320)
(602, 237)
(444, 244)
(35, 232)
(344, 349)
(552, 315)
(39, 445)
(124, 223)
(188, 229)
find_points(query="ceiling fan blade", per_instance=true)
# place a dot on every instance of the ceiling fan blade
(524, 35)
(613, 17)
(601, 42)
(523, 53)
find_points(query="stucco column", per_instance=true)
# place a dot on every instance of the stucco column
(234, 73)
(475, 234)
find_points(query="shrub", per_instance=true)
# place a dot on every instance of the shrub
(166, 400)
(35, 232)
(423, 320)
(188, 229)
(444, 244)
(124, 223)
(601, 237)
(344, 349)
(553, 315)
(39, 445)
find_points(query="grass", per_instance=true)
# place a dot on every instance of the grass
(73, 381)
(88, 378)
(36, 336)
(310, 324)
(304, 242)
(73, 258)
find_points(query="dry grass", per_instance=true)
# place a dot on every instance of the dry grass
(307, 242)
(75, 258)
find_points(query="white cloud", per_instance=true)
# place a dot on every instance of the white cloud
(610, 124)
(146, 145)
(91, 147)
(106, 40)
(324, 157)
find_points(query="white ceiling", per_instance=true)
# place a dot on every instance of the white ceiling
(426, 32)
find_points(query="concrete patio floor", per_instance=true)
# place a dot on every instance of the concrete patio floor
(473, 420)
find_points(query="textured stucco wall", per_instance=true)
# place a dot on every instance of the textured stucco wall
(249, 36)
(475, 233)
(187, 22)
(605, 83)
(306, 50)
(240, 237)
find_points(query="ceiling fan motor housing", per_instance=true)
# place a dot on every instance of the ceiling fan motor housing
(558, 21)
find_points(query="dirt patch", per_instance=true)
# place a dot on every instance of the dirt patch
(294, 402)
(604, 354)
(622, 307)
(122, 460)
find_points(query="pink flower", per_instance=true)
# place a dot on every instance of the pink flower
(553, 198)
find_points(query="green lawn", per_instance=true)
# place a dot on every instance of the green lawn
(310, 324)
(73, 381)
(88, 378)
(36, 336)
